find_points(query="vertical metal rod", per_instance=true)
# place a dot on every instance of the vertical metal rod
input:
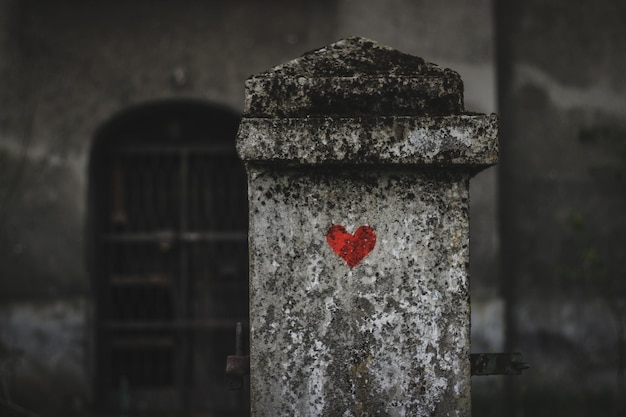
(183, 309)
(239, 339)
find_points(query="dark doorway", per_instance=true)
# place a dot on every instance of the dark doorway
(168, 226)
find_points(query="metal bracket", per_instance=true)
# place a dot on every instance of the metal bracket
(482, 364)
(497, 364)
(237, 365)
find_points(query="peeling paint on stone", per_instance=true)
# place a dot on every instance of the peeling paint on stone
(387, 334)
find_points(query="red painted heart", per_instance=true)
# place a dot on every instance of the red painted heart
(352, 248)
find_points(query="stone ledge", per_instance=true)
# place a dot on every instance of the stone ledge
(351, 96)
(466, 140)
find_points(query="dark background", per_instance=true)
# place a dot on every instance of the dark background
(548, 247)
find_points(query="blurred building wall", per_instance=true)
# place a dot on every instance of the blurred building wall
(562, 188)
(66, 67)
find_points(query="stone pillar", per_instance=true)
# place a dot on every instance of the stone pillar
(359, 159)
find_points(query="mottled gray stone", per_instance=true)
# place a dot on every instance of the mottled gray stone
(351, 77)
(387, 335)
(390, 335)
(463, 140)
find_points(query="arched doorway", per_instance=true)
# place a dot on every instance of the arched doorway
(168, 226)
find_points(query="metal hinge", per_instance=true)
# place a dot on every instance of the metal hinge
(237, 365)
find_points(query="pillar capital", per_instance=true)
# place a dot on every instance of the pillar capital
(354, 77)
(357, 102)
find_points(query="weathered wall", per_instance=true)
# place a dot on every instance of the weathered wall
(68, 66)
(72, 65)
(562, 98)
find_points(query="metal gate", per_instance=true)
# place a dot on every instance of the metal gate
(170, 267)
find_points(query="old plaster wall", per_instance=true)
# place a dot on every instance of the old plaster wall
(562, 98)
(68, 66)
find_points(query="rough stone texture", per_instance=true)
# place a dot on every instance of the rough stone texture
(464, 140)
(369, 78)
(389, 335)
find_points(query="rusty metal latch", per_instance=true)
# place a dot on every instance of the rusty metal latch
(237, 365)
(497, 364)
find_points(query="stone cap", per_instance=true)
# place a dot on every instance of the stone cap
(467, 140)
(354, 77)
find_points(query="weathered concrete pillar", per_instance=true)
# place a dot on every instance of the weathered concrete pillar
(359, 159)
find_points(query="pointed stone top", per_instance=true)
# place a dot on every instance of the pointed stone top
(354, 77)
(352, 57)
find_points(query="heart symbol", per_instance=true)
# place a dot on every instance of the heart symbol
(352, 248)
